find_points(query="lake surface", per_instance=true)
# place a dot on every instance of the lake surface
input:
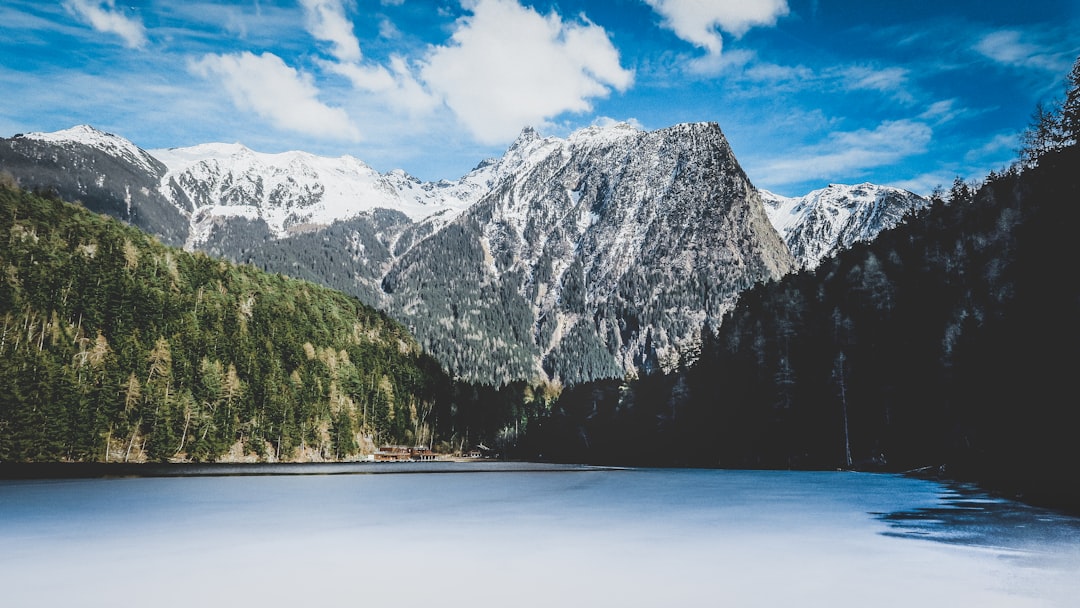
(507, 535)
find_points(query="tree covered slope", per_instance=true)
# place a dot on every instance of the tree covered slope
(116, 347)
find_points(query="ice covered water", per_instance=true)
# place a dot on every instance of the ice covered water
(517, 537)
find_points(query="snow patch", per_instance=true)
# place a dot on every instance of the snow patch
(108, 143)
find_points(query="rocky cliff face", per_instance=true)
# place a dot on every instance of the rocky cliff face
(609, 251)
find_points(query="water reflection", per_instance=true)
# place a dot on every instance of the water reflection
(968, 516)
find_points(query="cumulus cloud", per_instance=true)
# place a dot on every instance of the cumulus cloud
(326, 21)
(848, 154)
(267, 86)
(395, 86)
(103, 17)
(699, 21)
(507, 66)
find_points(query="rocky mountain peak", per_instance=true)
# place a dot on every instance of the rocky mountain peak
(96, 139)
(607, 251)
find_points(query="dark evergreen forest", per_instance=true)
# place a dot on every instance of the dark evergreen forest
(948, 344)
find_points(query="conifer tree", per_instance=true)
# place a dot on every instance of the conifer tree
(1055, 125)
(1070, 109)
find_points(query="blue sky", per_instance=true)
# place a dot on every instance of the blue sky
(808, 92)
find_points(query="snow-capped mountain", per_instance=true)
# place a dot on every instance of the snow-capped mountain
(112, 145)
(294, 191)
(828, 220)
(104, 172)
(211, 184)
(597, 255)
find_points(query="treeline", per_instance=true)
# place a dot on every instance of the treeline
(116, 347)
(950, 341)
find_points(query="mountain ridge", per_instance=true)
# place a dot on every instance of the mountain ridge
(571, 252)
(824, 221)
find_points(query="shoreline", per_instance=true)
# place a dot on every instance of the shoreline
(110, 470)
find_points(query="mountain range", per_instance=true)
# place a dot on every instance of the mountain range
(824, 222)
(598, 255)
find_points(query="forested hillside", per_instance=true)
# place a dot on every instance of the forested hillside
(949, 342)
(116, 347)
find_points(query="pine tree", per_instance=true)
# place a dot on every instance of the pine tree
(1054, 126)
(1070, 109)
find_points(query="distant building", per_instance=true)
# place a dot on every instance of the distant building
(402, 453)
(482, 451)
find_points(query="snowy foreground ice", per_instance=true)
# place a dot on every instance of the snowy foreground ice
(517, 537)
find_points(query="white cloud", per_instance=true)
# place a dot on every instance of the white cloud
(698, 21)
(1001, 148)
(1007, 47)
(737, 61)
(848, 154)
(996, 154)
(506, 66)
(607, 121)
(326, 21)
(103, 17)
(926, 183)
(276, 92)
(893, 80)
(941, 112)
(388, 30)
(395, 87)
(757, 75)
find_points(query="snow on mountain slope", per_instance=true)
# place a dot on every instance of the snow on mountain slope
(108, 143)
(106, 173)
(830, 219)
(295, 190)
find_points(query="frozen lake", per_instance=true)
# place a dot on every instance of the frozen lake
(509, 536)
